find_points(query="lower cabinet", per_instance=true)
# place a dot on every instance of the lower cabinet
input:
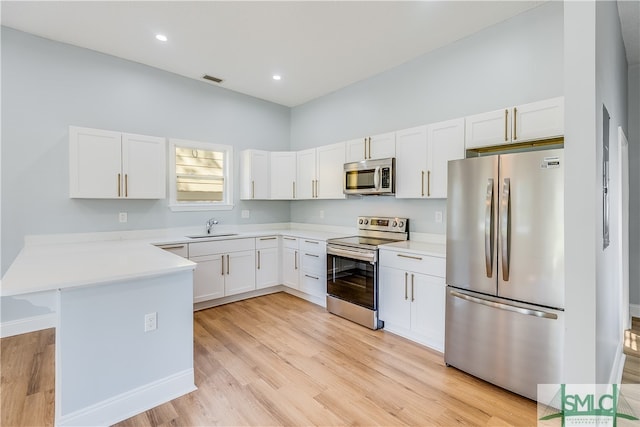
(290, 262)
(225, 268)
(313, 267)
(412, 296)
(267, 262)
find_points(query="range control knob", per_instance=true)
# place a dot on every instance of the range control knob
(360, 221)
(395, 223)
(366, 221)
(401, 224)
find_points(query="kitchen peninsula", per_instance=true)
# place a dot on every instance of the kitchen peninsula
(111, 363)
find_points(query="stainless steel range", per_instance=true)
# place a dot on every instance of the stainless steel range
(352, 269)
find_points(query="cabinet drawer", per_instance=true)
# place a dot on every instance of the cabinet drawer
(312, 246)
(290, 242)
(181, 249)
(314, 284)
(424, 264)
(266, 242)
(221, 246)
(313, 262)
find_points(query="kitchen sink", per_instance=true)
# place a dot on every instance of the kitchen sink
(204, 236)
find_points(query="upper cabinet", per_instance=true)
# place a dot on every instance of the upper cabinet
(110, 165)
(319, 172)
(283, 175)
(254, 166)
(371, 147)
(422, 154)
(522, 123)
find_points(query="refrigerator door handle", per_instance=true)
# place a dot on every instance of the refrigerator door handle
(505, 217)
(502, 306)
(488, 229)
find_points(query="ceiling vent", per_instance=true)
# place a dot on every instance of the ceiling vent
(211, 78)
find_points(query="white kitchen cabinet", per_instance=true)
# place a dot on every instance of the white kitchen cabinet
(379, 146)
(283, 175)
(422, 155)
(522, 123)
(319, 172)
(290, 262)
(110, 165)
(313, 267)
(228, 268)
(255, 178)
(267, 262)
(412, 296)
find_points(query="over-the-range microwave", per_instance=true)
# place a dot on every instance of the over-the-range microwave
(370, 177)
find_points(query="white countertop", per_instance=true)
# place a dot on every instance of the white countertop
(419, 248)
(48, 263)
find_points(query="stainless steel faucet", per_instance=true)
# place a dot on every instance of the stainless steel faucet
(210, 224)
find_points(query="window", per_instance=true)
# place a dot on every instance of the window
(200, 175)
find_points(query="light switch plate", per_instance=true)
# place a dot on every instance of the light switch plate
(245, 214)
(438, 216)
(122, 217)
(150, 322)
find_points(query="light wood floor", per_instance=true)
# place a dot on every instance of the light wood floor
(279, 360)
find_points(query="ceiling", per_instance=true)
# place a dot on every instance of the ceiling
(317, 47)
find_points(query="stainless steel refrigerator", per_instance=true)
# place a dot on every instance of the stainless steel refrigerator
(505, 269)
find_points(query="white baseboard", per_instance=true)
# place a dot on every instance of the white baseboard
(615, 377)
(634, 310)
(133, 402)
(28, 324)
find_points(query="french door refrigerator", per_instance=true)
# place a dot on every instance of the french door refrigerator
(505, 269)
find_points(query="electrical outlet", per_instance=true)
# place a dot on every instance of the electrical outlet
(321, 214)
(150, 322)
(245, 214)
(122, 217)
(438, 216)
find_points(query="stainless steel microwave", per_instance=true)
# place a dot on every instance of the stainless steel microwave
(370, 177)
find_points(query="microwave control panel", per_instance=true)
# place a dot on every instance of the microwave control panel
(386, 178)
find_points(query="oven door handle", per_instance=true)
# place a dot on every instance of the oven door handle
(362, 256)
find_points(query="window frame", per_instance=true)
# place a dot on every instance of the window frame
(227, 202)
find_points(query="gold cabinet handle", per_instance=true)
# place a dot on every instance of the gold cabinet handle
(126, 185)
(312, 277)
(228, 269)
(410, 257)
(288, 238)
(222, 269)
(515, 123)
(118, 185)
(406, 296)
(506, 125)
(294, 189)
(422, 184)
(258, 260)
(412, 287)
(313, 242)
(365, 148)
(295, 260)
(428, 183)
(253, 189)
(268, 238)
(312, 255)
(172, 247)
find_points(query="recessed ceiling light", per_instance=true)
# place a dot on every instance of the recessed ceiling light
(277, 77)
(161, 37)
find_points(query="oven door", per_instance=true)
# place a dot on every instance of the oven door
(352, 276)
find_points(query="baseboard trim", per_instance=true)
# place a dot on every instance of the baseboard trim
(133, 402)
(634, 310)
(321, 301)
(28, 324)
(615, 377)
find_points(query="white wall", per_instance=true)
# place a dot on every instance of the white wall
(611, 91)
(633, 135)
(47, 86)
(517, 61)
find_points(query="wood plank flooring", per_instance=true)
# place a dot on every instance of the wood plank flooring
(280, 360)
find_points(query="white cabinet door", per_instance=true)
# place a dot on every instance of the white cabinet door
(428, 308)
(240, 272)
(329, 170)
(395, 306)
(486, 129)
(144, 166)
(290, 268)
(306, 174)
(379, 146)
(538, 120)
(95, 165)
(411, 162)
(283, 175)
(208, 278)
(267, 262)
(255, 174)
(382, 146)
(445, 142)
